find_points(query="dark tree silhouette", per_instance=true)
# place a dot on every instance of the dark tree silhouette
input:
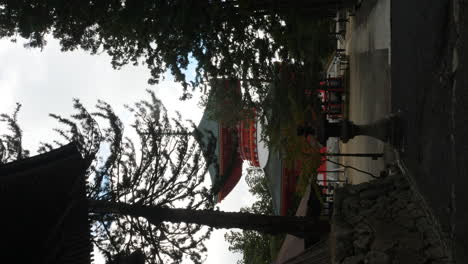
(149, 195)
(225, 38)
(160, 165)
(11, 147)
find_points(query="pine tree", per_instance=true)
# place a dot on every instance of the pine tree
(11, 147)
(149, 195)
(161, 166)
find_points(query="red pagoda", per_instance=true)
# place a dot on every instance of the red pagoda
(226, 148)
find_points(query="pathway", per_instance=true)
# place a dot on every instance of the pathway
(368, 48)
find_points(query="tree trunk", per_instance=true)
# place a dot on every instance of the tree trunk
(297, 226)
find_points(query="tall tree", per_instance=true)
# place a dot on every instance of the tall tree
(149, 195)
(232, 38)
(159, 165)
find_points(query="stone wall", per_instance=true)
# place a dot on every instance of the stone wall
(383, 222)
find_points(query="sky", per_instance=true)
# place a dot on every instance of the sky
(46, 82)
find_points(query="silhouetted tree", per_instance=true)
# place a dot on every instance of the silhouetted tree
(11, 147)
(160, 165)
(136, 257)
(149, 195)
(225, 38)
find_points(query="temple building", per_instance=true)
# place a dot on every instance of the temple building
(220, 147)
(227, 147)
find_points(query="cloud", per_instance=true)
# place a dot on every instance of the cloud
(46, 82)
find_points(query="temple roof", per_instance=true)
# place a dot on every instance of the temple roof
(273, 172)
(46, 219)
(219, 145)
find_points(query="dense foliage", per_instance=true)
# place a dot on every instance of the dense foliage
(255, 247)
(225, 38)
(228, 39)
(11, 147)
(152, 167)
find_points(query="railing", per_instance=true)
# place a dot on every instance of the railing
(327, 188)
(248, 142)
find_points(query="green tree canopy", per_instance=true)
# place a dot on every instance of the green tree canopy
(225, 38)
(255, 247)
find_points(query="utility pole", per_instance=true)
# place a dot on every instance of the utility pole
(374, 156)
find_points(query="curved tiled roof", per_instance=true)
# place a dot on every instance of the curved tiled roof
(225, 165)
(45, 197)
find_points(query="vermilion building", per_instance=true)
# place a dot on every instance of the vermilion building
(227, 147)
(220, 145)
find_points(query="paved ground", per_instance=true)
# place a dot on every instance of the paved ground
(424, 74)
(368, 48)
(429, 77)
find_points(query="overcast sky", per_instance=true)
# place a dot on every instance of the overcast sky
(45, 82)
